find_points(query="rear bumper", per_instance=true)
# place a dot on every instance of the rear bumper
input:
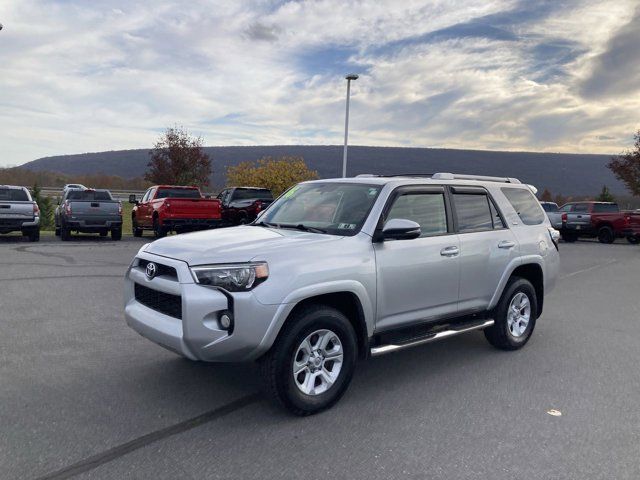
(202, 223)
(95, 224)
(15, 224)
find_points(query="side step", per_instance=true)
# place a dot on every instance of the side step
(394, 347)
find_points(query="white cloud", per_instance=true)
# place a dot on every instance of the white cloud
(87, 76)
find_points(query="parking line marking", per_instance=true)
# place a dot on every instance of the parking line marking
(118, 451)
(584, 270)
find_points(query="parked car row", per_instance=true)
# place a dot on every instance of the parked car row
(166, 208)
(602, 220)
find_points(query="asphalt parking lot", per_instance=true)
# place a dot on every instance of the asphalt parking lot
(82, 394)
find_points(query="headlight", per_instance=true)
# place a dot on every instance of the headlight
(235, 277)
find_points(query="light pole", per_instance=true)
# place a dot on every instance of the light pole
(351, 76)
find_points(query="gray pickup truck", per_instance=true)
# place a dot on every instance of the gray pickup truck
(88, 211)
(18, 212)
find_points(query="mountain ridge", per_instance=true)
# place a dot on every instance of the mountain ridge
(565, 173)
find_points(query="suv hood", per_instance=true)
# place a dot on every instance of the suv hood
(234, 244)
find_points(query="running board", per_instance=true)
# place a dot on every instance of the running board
(382, 349)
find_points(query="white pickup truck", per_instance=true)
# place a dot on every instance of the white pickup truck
(18, 212)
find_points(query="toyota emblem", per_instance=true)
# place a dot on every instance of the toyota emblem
(151, 270)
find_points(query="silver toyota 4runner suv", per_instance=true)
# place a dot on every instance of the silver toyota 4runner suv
(341, 269)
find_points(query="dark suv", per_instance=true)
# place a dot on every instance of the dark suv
(242, 205)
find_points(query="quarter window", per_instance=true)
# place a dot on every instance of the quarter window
(526, 205)
(426, 209)
(473, 212)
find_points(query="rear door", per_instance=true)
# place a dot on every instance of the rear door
(487, 246)
(417, 279)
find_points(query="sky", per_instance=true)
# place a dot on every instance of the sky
(83, 76)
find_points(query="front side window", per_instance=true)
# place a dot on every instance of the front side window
(526, 205)
(426, 209)
(334, 208)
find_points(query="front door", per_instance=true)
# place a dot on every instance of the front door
(418, 278)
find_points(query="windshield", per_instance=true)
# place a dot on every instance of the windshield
(178, 193)
(334, 208)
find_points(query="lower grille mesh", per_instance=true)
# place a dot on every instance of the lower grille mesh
(160, 301)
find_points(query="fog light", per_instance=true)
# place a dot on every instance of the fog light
(225, 321)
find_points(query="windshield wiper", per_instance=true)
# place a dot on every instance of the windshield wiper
(303, 227)
(267, 224)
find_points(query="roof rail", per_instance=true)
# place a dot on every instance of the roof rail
(427, 175)
(481, 178)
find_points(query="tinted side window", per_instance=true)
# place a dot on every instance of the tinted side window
(605, 207)
(426, 209)
(473, 212)
(567, 207)
(549, 207)
(526, 205)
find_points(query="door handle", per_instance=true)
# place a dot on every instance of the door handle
(450, 251)
(506, 244)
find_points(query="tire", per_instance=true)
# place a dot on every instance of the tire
(158, 230)
(65, 234)
(104, 233)
(313, 323)
(605, 235)
(137, 232)
(633, 240)
(116, 234)
(506, 334)
(33, 235)
(57, 231)
(569, 237)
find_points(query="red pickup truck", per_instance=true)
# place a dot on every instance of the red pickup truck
(165, 208)
(603, 220)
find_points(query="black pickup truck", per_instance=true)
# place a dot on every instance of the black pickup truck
(88, 211)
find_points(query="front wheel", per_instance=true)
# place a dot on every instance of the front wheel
(65, 233)
(514, 316)
(311, 363)
(633, 240)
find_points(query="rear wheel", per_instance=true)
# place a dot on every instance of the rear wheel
(65, 233)
(310, 366)
(158, 230)
(569, 237)
(104, 233)
(605, 235)
(33, 235)
(116, 234)
(57, 231)
(514, 316)
(633, 240)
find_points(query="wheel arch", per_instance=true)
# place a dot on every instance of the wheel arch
(530, 269)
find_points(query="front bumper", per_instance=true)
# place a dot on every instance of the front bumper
(197, 334)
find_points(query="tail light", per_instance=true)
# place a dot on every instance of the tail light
(258, 207)
(67, 207)
(36, 209)
(167, 206)
(564, 218)
(627, 221)
(119, 208)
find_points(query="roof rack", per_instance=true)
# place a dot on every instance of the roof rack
(481, 178)
(426, 175)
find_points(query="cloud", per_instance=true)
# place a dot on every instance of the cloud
(502, 74)
(616, 71)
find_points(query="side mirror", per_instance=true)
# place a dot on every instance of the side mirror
(132, 199)
(400, 229)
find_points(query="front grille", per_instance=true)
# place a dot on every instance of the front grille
(161, 302)
(162, 270)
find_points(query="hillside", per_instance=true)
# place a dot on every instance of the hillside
(569, 174)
